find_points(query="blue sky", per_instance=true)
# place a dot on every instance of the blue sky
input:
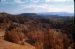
(36, 6)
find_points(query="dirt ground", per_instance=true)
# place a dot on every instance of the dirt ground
(9, 45)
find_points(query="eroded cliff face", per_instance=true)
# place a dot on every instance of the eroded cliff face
(41, 38)
(40, 33)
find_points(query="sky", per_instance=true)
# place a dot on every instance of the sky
(36, 6)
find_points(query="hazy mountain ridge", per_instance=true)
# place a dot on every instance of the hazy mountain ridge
(57, 13)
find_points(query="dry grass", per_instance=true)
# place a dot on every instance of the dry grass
(8, 45)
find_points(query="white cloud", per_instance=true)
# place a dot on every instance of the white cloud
(48, 0)
(27, 1)
(18, 1)
(51, 8)
(59, 0)
(69, 9)
(45, 8)
(55, 0)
